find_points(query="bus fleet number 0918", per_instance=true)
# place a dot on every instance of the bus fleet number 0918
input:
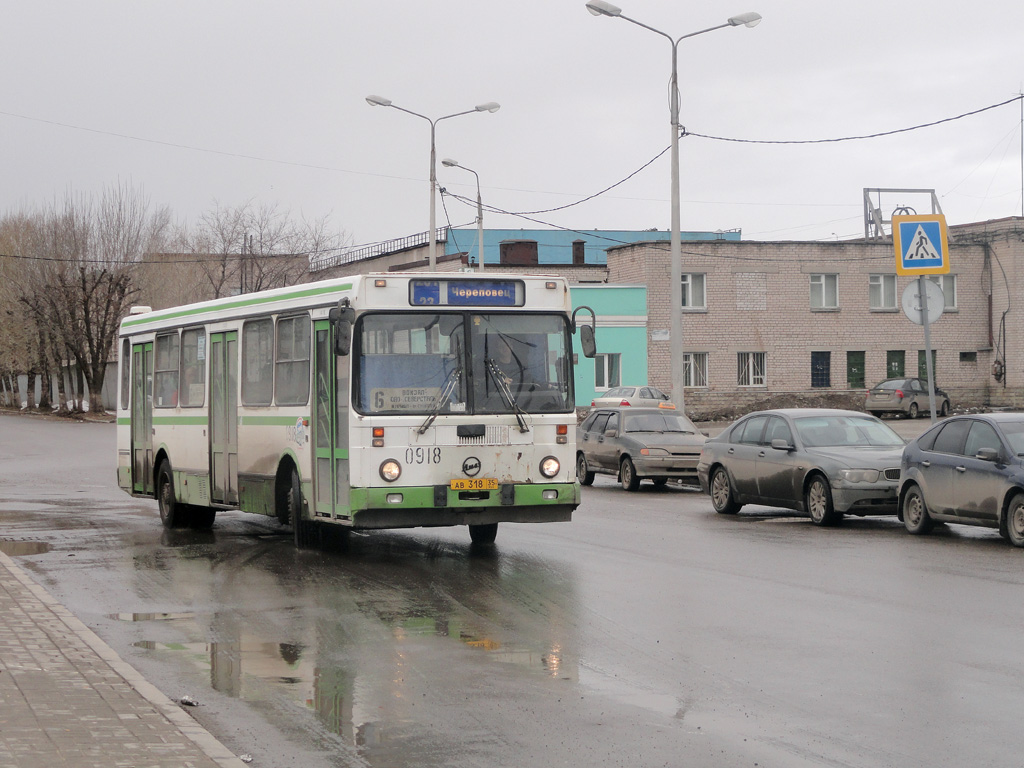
(423, 455)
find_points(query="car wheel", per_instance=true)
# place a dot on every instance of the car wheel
(818, 500)
(912, 413)
(915, 512)
(722, 498)
(627, 475)
(944, 410)
(584, 475)
(1015, 521)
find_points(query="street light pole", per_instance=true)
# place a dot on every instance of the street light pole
(449, 163)
(677, 358)
(380, 101)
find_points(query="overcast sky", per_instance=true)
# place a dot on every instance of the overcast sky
(230, 101)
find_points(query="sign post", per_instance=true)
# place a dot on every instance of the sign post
(922, 249)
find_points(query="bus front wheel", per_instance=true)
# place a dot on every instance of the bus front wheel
(172, 512)
(304, 530)
(483, 534)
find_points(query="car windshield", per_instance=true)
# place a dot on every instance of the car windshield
(892, 384)
(1014, 432)
(859, 431)
(658, 422)
(619, 392)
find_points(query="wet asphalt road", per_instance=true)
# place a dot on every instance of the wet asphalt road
(647, 632)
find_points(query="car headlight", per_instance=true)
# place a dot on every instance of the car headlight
(859, 475)
(390, 470)
(653, 452)
(549, 466)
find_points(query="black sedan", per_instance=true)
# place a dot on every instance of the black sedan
(824, 462)
(966, 469)
(658, 444)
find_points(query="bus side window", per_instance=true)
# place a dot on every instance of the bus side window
(193, 368)
(126, 368)
(258, 362)
(165, 371)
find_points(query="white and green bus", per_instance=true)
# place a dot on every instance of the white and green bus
(373, 401)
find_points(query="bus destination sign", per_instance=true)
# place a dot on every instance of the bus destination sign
(465, 293)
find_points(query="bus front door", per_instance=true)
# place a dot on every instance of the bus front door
(330, 427)
(224, 417)
(142, 417)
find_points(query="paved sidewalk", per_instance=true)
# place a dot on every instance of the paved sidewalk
(66, 699)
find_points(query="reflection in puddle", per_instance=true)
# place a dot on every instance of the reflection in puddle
(251, 668)
(150, 616)
(23, 547)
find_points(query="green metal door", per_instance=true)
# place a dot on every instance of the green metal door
(142, 417)
(224, 417)
(330, 426)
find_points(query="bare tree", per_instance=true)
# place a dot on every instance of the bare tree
(255, 247)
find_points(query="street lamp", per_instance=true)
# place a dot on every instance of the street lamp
(602, 8)
(449, 163)
(380, 101)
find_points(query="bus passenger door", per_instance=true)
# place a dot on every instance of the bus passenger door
(142, 417)
(224, 417)
(330, 426)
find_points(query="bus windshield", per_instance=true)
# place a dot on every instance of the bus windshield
(462, 363)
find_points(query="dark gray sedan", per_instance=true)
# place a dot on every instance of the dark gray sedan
(657, 444)
(966, 469)
(824, 462)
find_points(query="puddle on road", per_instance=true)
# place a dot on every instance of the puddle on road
(23, 547)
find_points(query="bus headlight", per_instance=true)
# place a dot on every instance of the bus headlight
(549, 466)
(390, 470)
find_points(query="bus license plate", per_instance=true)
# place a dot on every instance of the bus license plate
(475, 484)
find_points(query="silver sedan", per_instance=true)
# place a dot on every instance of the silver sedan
(824, 462)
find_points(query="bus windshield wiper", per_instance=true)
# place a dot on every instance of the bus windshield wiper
(506, 393)
(451, 383)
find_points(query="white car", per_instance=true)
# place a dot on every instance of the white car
(636, 396)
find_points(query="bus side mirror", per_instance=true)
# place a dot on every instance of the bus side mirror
(587, 343)
(342, 318)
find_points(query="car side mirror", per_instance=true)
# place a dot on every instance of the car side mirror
(610, 432)
(780, 444)
(988, 454)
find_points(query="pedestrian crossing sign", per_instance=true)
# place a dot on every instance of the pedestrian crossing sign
(921, 245)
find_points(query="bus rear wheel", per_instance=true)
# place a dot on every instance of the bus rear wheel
(483, 534)
(173, 514)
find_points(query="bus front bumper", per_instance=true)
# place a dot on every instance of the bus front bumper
(438, 505)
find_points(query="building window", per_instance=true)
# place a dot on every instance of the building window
(824, 291)
(518, 252)
(948, 285)
(165, 371)
(968, 357)
(922, 365)
(821, 369)
(579, 257)
(693, 291)
(258, 362)
(292, 363)
(607, 371)
(750, 369)
(695, 369)
(895, 363)
(855, 370)
(882, 292)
